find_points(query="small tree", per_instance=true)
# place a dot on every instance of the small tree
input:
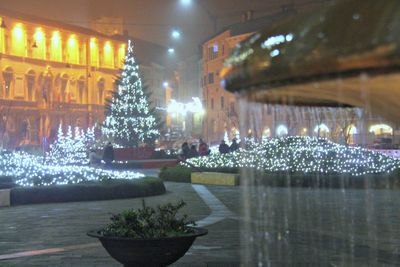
(129, 118)
(68, 149)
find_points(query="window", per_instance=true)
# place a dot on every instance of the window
(94, 52)
(222, 102)
(101, 86)
(56, 47)
(121, 55)
(8, 76)
(81, 89)
(73, 50)
(18, 47)
(205, 80)
(108, 55)
(213, 52)
(64, 87)
(30, 83)
(39, 44)
(46, 85)
(211, 78)
(2, 39)
(212, 103)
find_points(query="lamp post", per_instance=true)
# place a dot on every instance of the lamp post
(213, 18)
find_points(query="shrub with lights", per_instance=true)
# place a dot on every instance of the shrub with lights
(28, 170)
(302, 154)
(69, 149)
(129, 119)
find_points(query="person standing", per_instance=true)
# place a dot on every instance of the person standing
(108, 155)
(94, 159)
(185, 150)
(234, 146)
(223, 147)
(193, 152)
(203, 148)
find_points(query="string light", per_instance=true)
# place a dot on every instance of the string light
(29, 170)
(302, 154)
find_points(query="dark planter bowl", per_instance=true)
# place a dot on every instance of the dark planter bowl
(148, 252)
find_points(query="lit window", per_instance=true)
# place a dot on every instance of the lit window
(18, 40)
(351, 129)
(94, 52)
(2, 38)
(215, 48)
(213, 52)
(56, 47)
(381, 129)
(121, 55)
(108, 55)
(266, 133)
(39, 44)
(73, 50)
(322, 128)
(281, 130)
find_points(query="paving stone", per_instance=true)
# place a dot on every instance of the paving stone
(293, 226)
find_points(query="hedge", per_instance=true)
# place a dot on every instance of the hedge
(89, 191)
(179, 174)
(296, 179)
(6, 182)
(332, 180)
(182, 174)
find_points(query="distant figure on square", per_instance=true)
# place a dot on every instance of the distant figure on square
(223, 147)
(108, 155)
(234, 146)
(193, 152)
(203, 148)
(185, 150)
(94, 159)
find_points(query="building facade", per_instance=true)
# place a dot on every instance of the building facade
(222, 107)
(52, 74)
(225, 115)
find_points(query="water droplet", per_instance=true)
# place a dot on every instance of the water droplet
(289, 37)
(274, 53)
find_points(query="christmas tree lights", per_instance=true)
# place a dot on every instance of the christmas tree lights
(302, 154)
(129, 119)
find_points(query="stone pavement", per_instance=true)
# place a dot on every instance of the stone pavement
(248, 226)
(58, 231)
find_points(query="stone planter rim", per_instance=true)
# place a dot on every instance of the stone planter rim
(199, 231)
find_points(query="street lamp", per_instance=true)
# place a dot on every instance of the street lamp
(171, 51)
(201, 4)
(186, 2)
(176, 34)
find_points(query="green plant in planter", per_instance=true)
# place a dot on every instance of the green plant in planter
(147, 222)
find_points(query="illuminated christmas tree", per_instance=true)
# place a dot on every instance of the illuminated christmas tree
(129, 119)
(68, 149)
(90, 137)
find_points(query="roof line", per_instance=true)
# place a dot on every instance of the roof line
(231, 27)
(51, 23)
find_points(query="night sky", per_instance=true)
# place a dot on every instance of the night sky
(153, 20)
